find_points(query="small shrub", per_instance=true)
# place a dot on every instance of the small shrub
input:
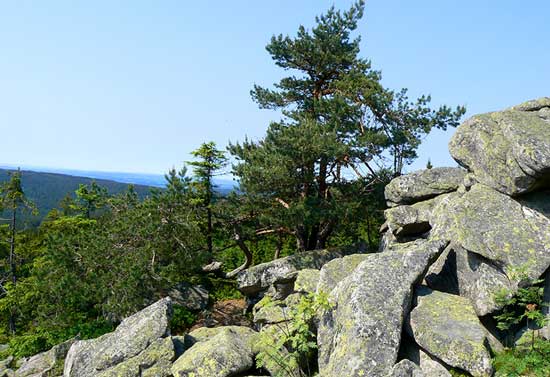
(295, 341)
(524, 361)
(182, 319)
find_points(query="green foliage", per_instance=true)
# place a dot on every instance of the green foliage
(339, 126)
(524, 361)
(182, 319)
(523, 306)
(293, 346)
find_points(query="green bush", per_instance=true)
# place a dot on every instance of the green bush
(524, 361)
(182, 319)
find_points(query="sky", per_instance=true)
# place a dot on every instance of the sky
(134, 86)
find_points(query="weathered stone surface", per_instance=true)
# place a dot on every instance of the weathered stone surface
(270, 314)
(41, 364)
(260, 277)
(422, 185)
(362, 333)
(507, 150)
(306, 281)
(228, 352)
(90, 357)
(428, 364)
(458, 271)
(447, 327)
(407, 220)
(155, 361)
(406, 368)
(498, 228)
(337, 270)
(192, 297)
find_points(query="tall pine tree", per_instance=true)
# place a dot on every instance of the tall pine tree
(339, 127)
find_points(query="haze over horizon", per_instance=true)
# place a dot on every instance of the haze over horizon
(134, 87)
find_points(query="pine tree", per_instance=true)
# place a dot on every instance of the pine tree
(339, 126)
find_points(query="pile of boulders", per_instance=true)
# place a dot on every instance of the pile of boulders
(423, 306)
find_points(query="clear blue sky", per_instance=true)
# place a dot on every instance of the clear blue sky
(136, 85)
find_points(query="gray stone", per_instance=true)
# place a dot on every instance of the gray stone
(458, 271)
(90, 357)
(362, 332)
(224, 352)
(447, 327)
(155, 361)
(192, 297)
(406, 368)
(428, 364)
(306, 281)
(337, 270)
(507, 150)
(422, 185)
(513, 237)
(260, 277)
(42, 364)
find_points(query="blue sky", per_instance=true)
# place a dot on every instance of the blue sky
(136, 85)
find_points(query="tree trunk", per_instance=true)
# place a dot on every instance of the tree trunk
(247, 254)
(13, 271)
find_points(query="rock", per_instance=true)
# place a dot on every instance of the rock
(509, 235)
(447, 327)
(223, 353)
(337, 270)
(43, 363)
(260, 277)
(155, 361)
(422, 185)
(407, 220)
(458, 271)
(428, 364)
(406, 368)
(270, 314)
(192, 297)
(306, 281)
(362, 332)
(507, 150)
(90, 357)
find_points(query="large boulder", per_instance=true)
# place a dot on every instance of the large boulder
(507, 150)
(422, 185)
(192, 297)
(260, 277)
(458, 271)
(337, 270)
(44, 363)
(362, 332)
(87, 358)
(223, 352)
(155, 361)
(509, 236)
(406, 368)
(447, 327)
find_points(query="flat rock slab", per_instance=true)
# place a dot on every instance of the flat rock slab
(447, 327)
(361, 334)
(508, 150)
(422, 185)
(337, 270)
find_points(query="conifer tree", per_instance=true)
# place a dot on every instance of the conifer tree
(339, 126)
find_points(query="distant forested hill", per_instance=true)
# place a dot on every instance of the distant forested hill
(47, 189)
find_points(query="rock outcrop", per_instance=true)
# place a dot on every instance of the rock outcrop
(508, 150)
(421, 307)
(362, 333)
